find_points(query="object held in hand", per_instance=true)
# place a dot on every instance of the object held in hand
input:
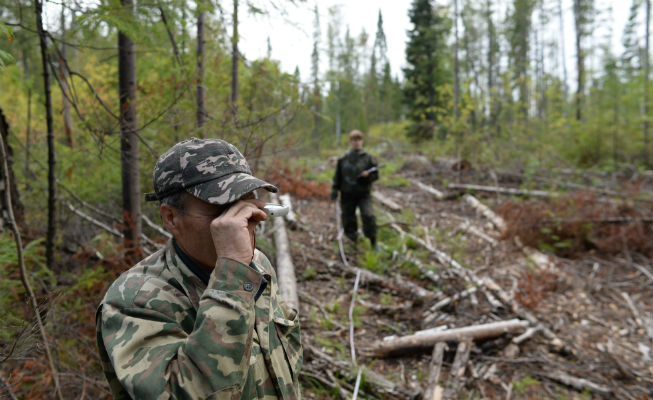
(276, 210)
(370, 170)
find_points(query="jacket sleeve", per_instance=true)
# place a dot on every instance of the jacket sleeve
(374, 175)
(337, 178)
(142, 329)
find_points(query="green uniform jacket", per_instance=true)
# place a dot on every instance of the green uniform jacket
(163, 334)
(350, 166)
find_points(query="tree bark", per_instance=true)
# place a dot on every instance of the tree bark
(645, 102)
(234, 61)
(456, 63)
(16, 205)
(562, 51)
(201, 106)
(285, 268)
(434, 390)
(579, 16)
(65, 91)
(427, 339)
(49, 241)
(131, 204)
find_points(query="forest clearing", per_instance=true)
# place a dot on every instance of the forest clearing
(585, 308)
(514, 201)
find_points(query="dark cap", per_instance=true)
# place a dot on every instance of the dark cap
(209, 169)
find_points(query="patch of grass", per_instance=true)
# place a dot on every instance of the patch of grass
(521, 386)
(335, 347)
(309, 273)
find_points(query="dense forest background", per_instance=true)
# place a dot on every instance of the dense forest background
(90, 99)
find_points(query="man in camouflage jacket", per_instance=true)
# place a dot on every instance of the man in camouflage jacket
(353, 179)
(202, 317)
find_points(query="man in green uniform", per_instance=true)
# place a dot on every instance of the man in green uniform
(202, 317)
(354, 175)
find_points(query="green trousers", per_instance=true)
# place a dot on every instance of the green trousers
(348, 203)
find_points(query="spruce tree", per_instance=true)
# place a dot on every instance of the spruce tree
(427, 73)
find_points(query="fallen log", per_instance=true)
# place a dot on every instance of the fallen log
(434, 391)
(291, 217)
(285, 268)
(519, 310)
(429, 189)
(485, 211)
(446, 260)
(386, 201)
(458, 369)
(502, 190)
(427, 339)
(579, 384)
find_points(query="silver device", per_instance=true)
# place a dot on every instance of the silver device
(276, 210)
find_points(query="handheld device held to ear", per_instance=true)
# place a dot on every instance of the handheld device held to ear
(276, 210)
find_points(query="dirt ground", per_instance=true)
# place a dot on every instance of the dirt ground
(599, 306)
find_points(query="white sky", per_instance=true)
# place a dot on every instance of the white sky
(291, 35)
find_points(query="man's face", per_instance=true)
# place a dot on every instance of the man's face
(192, 229)
(356, 143)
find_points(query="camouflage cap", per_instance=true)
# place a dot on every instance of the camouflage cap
(209, 169)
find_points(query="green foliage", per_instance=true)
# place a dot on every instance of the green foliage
(522, 385)
(13, 302)
(336, 347)
(309, 273)
(5, 57)
(427, 73)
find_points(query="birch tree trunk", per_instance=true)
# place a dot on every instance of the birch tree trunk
(456, 64)
(131, 204)
(52, 207)
(201, 106)
(645, 102)
(562, 52)
(234, 61)
(580, 62)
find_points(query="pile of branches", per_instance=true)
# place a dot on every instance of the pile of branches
(574, 224)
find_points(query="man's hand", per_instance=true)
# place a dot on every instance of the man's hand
(365, 174)
(233, 231)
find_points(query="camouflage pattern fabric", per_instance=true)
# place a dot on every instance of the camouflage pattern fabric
(163, 334)
(347, 178)
(209, 169)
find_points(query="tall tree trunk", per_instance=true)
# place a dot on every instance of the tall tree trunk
(580, 62)
(131, 204)
(645, 102)
(16, 205)
(234, 61)
(65, 92)
(52, 207)
(456, 66)
(565, 78)
(201, 106)
(28, 127)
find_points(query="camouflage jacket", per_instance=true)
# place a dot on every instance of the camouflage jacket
(164, 334)
(347, 178)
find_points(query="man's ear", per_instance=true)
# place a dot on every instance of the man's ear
(170, 219)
